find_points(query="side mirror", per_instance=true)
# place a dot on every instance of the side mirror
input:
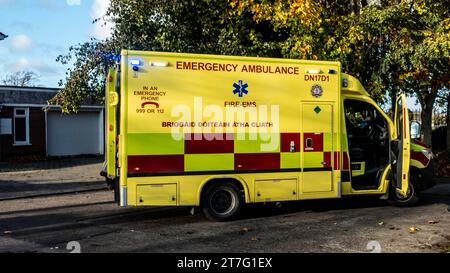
(415, 130)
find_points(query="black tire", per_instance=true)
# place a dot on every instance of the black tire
(411, 198)
(222, 202)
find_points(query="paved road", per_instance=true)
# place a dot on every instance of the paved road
(47, 224)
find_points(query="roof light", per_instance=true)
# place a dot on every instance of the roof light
(314, 71)
(332, 71)
(135, 62)
(160, 64)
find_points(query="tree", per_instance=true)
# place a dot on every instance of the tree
(85, 81)
(392, 47)
(248, 28)
(448, 122)
(443, 102)
(21, 78)
(411, 51)
(177, 26)
(425, 54)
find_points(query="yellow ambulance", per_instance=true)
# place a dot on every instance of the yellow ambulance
(222, 131)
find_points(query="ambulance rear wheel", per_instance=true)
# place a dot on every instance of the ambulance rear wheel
(222, 202)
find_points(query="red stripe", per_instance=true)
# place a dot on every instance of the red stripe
(316, 140)
(336, 160)
(208, 143)
(420, 143)
(155, 163)
(419, 156)
(286, 139)
(327, 160)
(260, 161)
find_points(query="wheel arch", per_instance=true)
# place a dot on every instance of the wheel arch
(239, 182)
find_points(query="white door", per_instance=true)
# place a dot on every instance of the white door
(74, 134)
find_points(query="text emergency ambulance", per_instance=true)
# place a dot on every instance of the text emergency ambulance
(222, 131)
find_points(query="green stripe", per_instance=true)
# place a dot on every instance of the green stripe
(290, 160)
(312, 159)
(256, 143)
(154, 144)
(327, 142)
(208, 162)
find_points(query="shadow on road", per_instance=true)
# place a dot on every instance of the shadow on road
(13, 189)
(49, 163)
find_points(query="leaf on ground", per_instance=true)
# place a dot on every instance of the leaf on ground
(245, 230)
(432, 222)
(413, 229)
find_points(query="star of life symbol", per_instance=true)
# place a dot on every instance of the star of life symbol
(240, 88)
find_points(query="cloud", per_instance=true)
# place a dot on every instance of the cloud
(101, 29)
(73, 2)
(20, 43)
(23, 64)
(5, 2)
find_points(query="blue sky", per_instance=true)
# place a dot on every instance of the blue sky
(40, 30)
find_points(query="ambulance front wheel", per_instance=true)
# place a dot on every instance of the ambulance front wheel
(222, 202)
(411, 198)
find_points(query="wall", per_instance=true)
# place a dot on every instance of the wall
(37, 135)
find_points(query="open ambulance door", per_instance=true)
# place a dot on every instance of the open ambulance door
(111, 101)
(402, 151)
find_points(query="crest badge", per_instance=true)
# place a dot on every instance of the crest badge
(316, 91)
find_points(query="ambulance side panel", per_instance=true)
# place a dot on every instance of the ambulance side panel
(270, 124)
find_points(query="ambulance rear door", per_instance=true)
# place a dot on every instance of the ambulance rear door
(401, 146)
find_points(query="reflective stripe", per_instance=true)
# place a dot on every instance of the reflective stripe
(208, 143)
(419, 156)
(290, 160)
(287, 138)
(161, 153)
(313, 160)
(155, 163)
(330, 141)
(327, 160)
(208, 162)
(260, 161)
(154, 144)
(257, 143)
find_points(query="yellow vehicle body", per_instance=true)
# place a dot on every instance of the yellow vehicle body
(275, 127)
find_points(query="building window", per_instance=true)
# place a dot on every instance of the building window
(21, 126)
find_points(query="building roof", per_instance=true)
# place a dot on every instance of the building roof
(14, 95)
